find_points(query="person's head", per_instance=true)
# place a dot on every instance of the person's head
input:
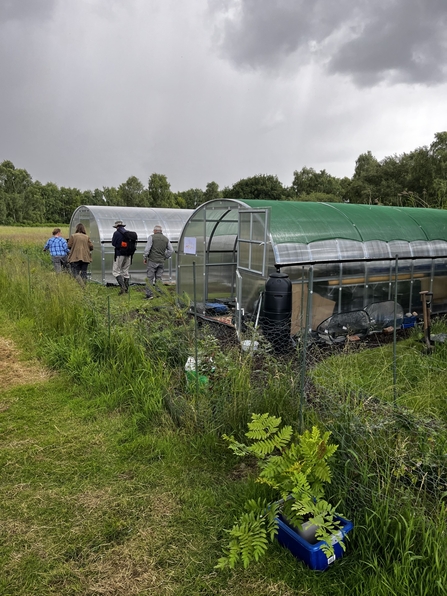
(158, 230)
(119, 224)
(80, 229)
(56, 231)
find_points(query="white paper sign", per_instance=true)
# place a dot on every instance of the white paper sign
(189, 246)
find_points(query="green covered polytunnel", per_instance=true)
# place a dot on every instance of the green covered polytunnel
(98, 221)
(228, 248)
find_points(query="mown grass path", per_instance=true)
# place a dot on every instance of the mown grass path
(89, 508)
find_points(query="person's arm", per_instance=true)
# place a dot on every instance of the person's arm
(47, 246)
(169, 250)
(90, 244)
(70, 242)
(64, 246)
(116, 239)
(147, 248)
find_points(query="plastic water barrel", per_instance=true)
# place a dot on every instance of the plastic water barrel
(276, 314)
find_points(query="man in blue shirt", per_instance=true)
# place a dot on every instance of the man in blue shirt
(58, 249)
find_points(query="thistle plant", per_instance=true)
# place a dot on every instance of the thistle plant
(296, 469)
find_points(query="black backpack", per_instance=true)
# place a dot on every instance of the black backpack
(128, 243)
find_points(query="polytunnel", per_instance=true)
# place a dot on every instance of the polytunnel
(343, 255)
(98, 221)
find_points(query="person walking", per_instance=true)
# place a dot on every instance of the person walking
(80, 256)
(58, 249)
(157, 249)
(121, 263)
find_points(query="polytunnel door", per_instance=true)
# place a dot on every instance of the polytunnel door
(252, 240)
(239, 311)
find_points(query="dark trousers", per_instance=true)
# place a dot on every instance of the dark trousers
(79, 268)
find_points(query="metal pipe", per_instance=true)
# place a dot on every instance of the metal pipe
(426, 303)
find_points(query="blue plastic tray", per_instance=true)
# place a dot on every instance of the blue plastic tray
(216, 308)
(312, 554)
(409, 322)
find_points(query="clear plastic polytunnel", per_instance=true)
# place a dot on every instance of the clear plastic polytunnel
(346, 257)
(98, 221)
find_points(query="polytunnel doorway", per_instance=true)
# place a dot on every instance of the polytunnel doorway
(208, 256)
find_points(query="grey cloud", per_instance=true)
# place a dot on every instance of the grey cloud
(403, 41)
(26, 10)
(384, 40)
(259, 34)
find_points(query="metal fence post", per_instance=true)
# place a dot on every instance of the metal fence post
(304, 349)
(395, 332)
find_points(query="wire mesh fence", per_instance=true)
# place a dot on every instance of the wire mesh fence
(382, 395)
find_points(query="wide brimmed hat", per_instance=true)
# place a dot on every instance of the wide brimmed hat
(118, 224)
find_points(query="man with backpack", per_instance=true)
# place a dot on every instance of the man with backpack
(125, 244)
(157, 249)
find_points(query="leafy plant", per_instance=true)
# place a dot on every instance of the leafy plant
(295, 469)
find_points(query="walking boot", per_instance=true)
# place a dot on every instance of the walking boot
(120, 280)
(126, 283)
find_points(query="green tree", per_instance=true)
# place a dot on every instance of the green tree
(192, 198)
(438, 154)
(160, 194)
(34, 207)
(3, 208)
(71, 199)
(366, 181)
(111, 196)
(211, 192)
(14, 183)
(309, 185)
(132, 193)
(52, 205)
(263, 186)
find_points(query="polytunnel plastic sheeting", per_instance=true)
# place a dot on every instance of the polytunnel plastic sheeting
(303, 222)
(99, 220)
(140, 219)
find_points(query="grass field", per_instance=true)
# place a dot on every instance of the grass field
(115, 479)
(29, 235)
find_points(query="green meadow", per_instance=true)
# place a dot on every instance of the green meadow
(115, 479)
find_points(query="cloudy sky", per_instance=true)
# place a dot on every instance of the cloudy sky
(95, 91)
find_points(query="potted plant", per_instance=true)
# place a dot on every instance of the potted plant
(295, 469)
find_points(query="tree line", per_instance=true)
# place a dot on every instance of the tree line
(415, 179)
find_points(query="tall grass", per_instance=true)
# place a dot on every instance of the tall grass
(69, 328)
(421, 378)
(391, 468)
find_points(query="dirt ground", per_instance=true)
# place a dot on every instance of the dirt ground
(16, 371)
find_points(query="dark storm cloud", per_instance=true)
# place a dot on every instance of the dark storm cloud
(384, 40)
(26, 10)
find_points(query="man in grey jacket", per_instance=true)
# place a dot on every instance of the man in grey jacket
(157, 249)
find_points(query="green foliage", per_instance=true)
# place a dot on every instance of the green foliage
(190, 199)
(250, 536)
(263, 186)
(159, 191)
(309, 185)
(132, 194)
(296, 470)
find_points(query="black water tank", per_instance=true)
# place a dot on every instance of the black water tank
(276, 314)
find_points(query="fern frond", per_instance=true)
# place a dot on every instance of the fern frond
(237, 448)
(263, 447)
(262, 426)
(296, 472)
